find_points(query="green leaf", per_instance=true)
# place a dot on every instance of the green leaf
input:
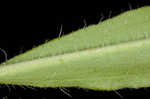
(111, 55)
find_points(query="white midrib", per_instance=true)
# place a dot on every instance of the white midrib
(110, 48)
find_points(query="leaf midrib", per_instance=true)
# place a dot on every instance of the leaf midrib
(79, 51)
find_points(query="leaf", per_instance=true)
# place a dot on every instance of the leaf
(111, 55)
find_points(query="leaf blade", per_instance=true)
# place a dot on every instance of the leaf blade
(89, 68)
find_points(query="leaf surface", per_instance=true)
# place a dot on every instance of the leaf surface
(111, 55)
